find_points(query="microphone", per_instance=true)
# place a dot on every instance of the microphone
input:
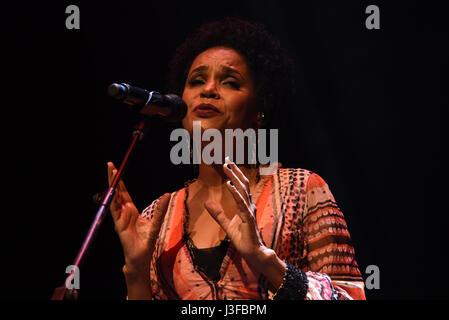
(149, 103)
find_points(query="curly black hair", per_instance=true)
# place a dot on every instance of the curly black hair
(270, 66)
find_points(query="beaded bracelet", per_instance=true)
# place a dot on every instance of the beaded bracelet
(294, 285)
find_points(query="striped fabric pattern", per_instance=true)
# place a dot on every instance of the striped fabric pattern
(297, 216)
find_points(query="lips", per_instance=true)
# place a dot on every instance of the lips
(206, 110)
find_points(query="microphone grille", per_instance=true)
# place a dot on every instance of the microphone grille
(117, 91)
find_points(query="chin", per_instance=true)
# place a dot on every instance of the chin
(206, 123)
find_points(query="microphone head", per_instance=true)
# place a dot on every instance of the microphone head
(170, 106)
(117, 91)
(178, 107)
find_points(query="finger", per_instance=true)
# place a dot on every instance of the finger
(239, 174)
(241, 183)
(111, 167)
(112, 172)
(244, 212)
(117, 200)
(158, 217)
(116, 203)
(121, 186)
(121, 195)
(123, 217)
(218, 215)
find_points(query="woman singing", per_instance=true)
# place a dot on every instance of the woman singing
(233, 233)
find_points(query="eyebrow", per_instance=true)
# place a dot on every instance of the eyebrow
(224, 68)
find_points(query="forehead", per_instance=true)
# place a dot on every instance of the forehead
(220, 56)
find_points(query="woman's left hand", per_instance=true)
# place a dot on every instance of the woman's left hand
(242, 228)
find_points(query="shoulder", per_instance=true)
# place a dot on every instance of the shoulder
(309, 184)
(302, 177)
(148, 212)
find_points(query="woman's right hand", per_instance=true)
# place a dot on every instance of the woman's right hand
(137, 235)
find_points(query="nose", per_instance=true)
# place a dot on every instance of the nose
(209, 90)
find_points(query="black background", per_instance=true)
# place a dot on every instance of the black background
(368, 119)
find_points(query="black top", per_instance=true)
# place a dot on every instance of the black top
(208, 260)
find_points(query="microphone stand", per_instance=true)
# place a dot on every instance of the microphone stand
(61, 293)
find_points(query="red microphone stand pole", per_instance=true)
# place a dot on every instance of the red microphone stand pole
(63, 292)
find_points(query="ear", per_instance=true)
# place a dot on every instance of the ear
(261, 114)
(257, 114)
(260, 120)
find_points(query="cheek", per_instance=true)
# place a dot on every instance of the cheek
(187, 97)
(240, 110)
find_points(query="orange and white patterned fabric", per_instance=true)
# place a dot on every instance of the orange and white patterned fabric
(297, 217)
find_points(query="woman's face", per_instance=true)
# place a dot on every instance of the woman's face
(219, 91)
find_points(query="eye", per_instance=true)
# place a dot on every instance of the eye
(233, 84)
(195, 82)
